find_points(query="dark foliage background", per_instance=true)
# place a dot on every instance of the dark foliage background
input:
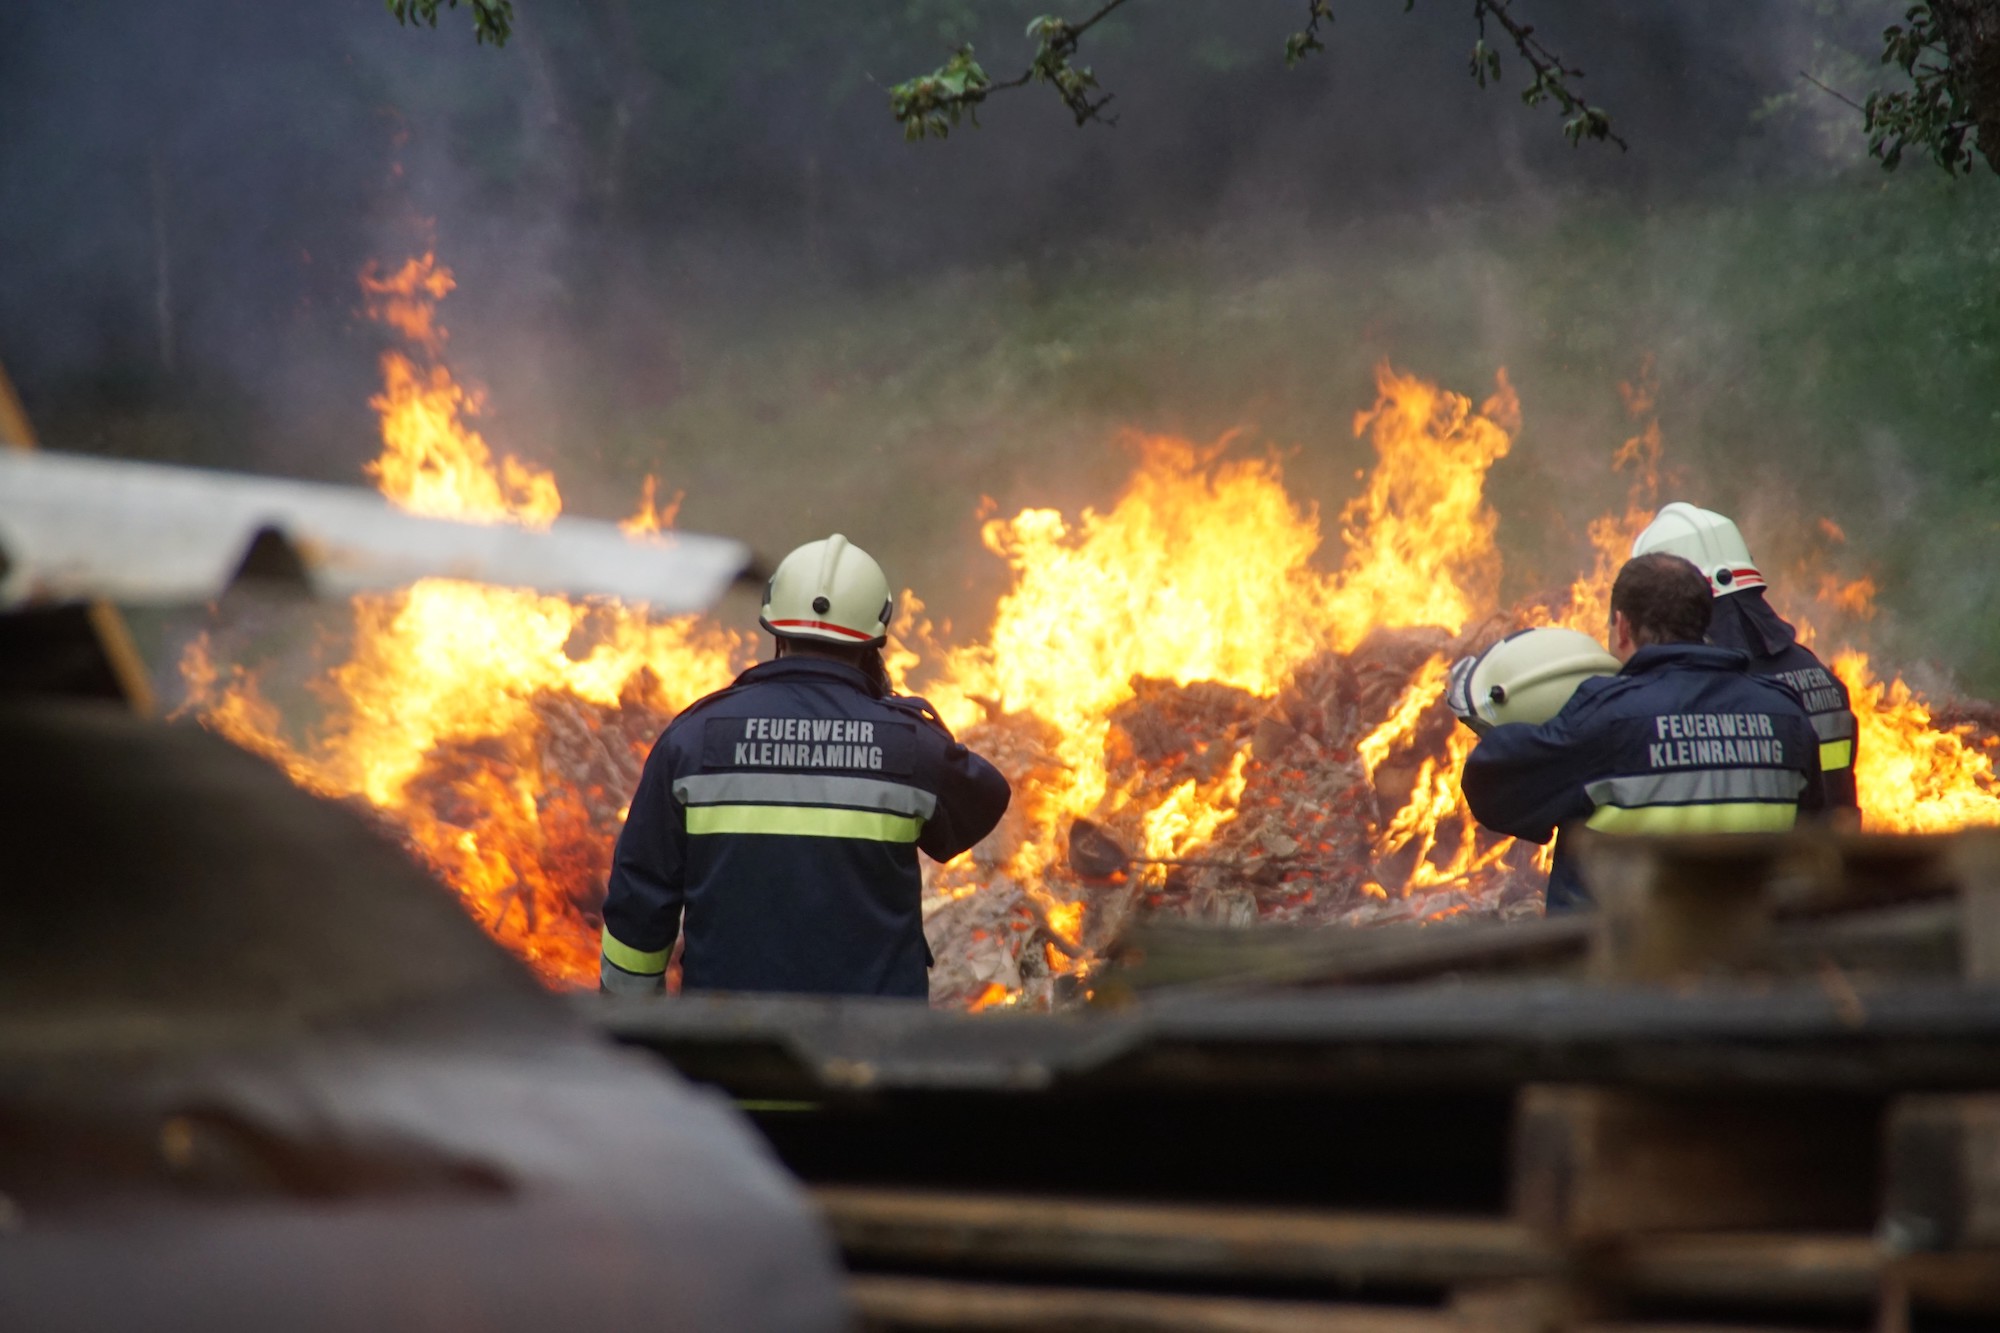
(691, 241)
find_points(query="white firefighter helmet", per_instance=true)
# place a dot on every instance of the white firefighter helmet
(1705, 538)
(1529, 675)
(830, 590)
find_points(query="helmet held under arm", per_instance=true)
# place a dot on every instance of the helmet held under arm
(1707, 539)
(829, 590)
(1529, 675)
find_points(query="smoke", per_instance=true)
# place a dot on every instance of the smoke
(248, 157)
(690, 241)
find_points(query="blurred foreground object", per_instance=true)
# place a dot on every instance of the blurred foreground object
(256, 1068)
(1754, 1092)
(73, 528)
(79, 534)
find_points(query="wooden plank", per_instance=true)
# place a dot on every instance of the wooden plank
(16, 431)
(1596, 1163)
(888, 1226)
(916, 1305)
(1944, 1172)
(1828, 872)
(1976, 860)
(1160, 955)
(1529, 1306)
(1796, 1035)
(1682, 907)
(1653, 1326)
(1966, 1282)
(1747, 1268)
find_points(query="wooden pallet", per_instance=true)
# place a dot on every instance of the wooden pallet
(1759, 1090)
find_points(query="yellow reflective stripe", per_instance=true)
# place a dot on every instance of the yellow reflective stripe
(804, 821)
(628, 959)
(1722, 817)
(1835, 754)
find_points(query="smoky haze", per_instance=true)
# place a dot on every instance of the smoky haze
(187, 190)
(689, 240)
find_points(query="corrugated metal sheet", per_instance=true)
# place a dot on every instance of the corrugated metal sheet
(75, 529)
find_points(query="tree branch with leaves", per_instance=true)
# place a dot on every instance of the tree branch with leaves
(492, 20)
(932, 105)
(1949, 50)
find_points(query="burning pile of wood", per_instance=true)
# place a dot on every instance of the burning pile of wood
(1301, 849)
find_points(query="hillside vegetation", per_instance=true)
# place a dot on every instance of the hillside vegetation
(1831, 351)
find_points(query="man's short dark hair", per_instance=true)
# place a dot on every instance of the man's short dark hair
(1665, 598)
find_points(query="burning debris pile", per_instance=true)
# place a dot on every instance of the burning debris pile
(1206, 710)
(1326, 830)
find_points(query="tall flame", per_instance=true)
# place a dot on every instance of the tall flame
(455, 696)
(1203, 571)
(499, 732)
(1913, 775)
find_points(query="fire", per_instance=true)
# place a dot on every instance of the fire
(432, 462)
(1914, 776)
(653, 518)
(1250, 710)
(1915, 772)
(1420, 537)
(1205, 572)
(465, 715)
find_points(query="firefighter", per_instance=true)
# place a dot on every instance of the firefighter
(1745, 621)
(780, 818)
(1683, 739)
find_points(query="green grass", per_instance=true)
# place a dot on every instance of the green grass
(1828, 349)
(1832, 350)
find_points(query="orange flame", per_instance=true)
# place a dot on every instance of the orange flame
(652, 518)
(1203, 571)
(407, 300)
(499, 732)
(481, 722)
(1913, 776)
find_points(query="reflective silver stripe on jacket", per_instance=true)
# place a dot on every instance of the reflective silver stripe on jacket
(614, 981)
(897, 798)
(1686, 787)
(1836, 726)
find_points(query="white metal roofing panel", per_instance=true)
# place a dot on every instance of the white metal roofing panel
(75, 528)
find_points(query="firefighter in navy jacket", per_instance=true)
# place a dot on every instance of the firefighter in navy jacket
(1682, 740)
(780, 818)
(1745, 621)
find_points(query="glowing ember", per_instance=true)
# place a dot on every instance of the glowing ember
(1186, 669)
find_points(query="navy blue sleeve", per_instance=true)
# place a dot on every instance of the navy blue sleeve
(1820, 792)
(1524, 780)
(971, 793)
(642, 907)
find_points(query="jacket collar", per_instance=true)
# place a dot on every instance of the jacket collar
(806, 668)
(1745, 620)
(1684, 656)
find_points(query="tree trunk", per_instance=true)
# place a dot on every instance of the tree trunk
(1971, 30)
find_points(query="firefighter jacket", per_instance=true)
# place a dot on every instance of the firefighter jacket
(781, 818)
(1682, 740)
(1745, 621)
